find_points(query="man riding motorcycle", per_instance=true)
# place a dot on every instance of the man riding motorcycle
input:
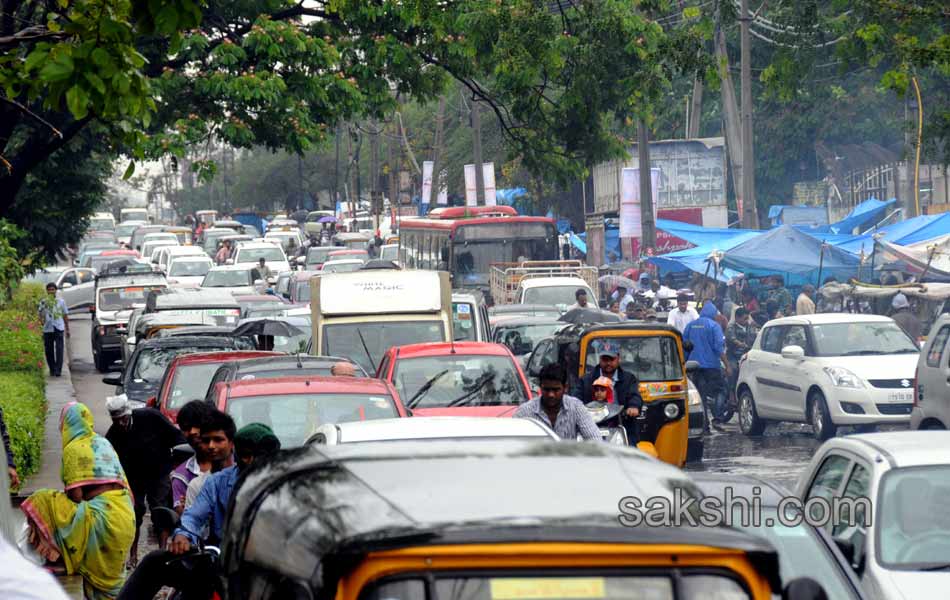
(626, 388)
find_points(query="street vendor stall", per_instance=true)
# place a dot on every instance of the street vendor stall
(928, 300)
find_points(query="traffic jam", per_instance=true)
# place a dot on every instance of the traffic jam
(458, 406)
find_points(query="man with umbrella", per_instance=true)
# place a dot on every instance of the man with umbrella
(626, 386)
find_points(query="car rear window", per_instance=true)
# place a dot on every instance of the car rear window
(935, 353)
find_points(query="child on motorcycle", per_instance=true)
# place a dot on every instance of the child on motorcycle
(603, 390)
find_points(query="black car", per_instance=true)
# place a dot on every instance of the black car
(277, 366)
(141, 378)
(803, 550)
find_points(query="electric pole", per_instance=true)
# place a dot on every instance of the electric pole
(648, 235)
(437, 151)
(749, 218)
(477, 147)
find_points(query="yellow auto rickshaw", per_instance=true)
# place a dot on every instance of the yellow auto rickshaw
(509, 519)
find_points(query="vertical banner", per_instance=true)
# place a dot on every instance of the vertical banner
(443, 188)
(488, 171)
(470, 191)
(426, 182)
(630, 225)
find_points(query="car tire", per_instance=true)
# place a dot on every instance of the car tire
(749, 422)
(820, 418)
(694, 450)
(932, 426)
(97, 360)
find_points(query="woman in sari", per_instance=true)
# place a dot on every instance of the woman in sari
(91, 525)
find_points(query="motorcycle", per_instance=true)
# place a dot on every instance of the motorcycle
(607, 418)
(204, 559)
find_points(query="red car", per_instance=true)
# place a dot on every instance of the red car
(294, 407)
(475, 379)
(188, 376)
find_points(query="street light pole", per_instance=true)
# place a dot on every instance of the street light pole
(749, 218)
(648, 235)
(477, 150)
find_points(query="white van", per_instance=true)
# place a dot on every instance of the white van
(133, 214)
(361, 315)
(102, 221)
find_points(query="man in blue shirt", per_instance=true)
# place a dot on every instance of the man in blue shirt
(53, 313)
(252, 442)
(709, 345)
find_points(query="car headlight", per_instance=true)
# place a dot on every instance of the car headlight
(671, 410)
(844, 378)
(693, 396)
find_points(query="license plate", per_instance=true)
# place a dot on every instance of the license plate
(901, 397)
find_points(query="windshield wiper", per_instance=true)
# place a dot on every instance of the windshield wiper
(463, 399)
(359, 332)
(864, 353)
(943, 567)
(424, 389)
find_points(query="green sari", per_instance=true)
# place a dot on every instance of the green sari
(93, 537)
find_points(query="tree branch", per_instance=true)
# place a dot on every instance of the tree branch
(29, 34)
(30, 113)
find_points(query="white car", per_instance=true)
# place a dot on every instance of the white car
(553, 291)
(125, 229)
(237, 279)
(342, 266)
(153, 241)
(289, 240)
(249, 254)
(188, 271)
(166, 254)
(432, 429)
(901, 550)
(827, 370)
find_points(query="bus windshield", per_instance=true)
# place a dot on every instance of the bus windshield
(478, 246)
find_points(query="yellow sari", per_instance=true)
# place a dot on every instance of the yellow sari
(93, 537)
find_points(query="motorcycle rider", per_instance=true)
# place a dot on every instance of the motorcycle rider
(626, 388)
(740, 335)
(708, 350)
(604, 390)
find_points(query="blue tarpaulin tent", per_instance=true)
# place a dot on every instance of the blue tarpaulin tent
(938, 226)
(809, 216)
(697, 234)
(862, 216)
(792, 253)
(694, 259)
(895, 232)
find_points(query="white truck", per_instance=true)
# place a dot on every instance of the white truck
(553, 282)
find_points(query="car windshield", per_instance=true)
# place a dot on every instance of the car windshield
(366, 342)
(458, 380)
(222, 317)
(801, 552)
(122, 298)
(856, 339)
(253, 255)
(911, 520)
(521, 339)
(685, 584)
(100, 262)
(101, 224)
(463, 322)
(389, 252)
(294, 344)
(302, 293)
(316, 256)
(228, 278)
(295, 417)
(212, 237)
(126, 230)
(342, 267)
(650, 357)
(190, 383)
(554, 294)
(189, 268)
(151, 362)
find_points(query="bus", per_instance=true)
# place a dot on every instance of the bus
(465, 241)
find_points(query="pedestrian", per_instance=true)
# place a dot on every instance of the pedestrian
(634, 312)
(252, 443)
(580, 299)
(805, 305)
(143, 438)
(772, 310)
(643, 282)
(55, 317)
(565, 414)
(905, 317)
(90, 526)
(683, 315)
(217, 441)
(343, 369)
(190, 418)
(263, 270)
(626, 387)
(778, 292)
(614, 307)
(749, 300)
(650, 316)
(740, 335)
(8, 447)
(708, 350)
(625, 299)
(223, 251)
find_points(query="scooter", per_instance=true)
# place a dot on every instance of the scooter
(166, 519)
(607, 418)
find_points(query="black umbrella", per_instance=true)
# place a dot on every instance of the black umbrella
(271, 327)
(579, 316)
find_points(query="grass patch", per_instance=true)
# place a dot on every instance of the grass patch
(23, 399)
(21, 342)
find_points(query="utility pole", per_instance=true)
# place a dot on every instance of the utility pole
(695, 109)
(477, 147)
(391, 162)
(437, 151)
(336, 171)
(648, 235)
(749, 219)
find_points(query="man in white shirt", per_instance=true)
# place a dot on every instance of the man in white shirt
(683, 315)
(625, 299)
(581, 299)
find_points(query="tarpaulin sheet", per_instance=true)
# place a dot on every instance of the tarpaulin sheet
(862, 216)
(789, 252)
(895, 232)
(937, 227)
(695, 259)
(926, 291)
(697, 234)
(930, 262)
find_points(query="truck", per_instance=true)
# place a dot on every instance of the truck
(542, 282)
(364, 313)
(251, 219)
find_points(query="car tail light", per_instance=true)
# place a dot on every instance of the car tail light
(102, 330)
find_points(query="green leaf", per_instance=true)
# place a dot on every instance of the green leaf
(35, 58)
(58, 69)
(691, 12)
(129, 171)
(77, 100)
(166, 21)
(96, 82)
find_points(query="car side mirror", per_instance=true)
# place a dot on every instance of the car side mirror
(691, 366)
(793, 352)
(803, 588)
(152, 402)
(118, 365)
(65, 286)
(113, 379)
(229, 261)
